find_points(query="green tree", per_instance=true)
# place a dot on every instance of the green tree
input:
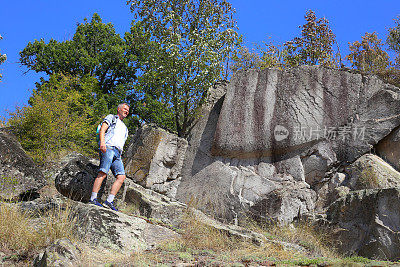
(190, 40)
(95, 50)
(393, 39)
(245, 58)
(315, 46)
(3, 58)
(62, 117)
(368, 55)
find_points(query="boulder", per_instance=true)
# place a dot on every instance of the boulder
(233, 193)
(370, 171)
(275, 126)
(327, 195)
(105, 228)
(151, 204)
(76, 179)
(61, 253)
(317, 161)
(20, 178)
(292, 166)
(367, 223)
(154, 159)
(285, 204)
(280, 113)
(389, 148)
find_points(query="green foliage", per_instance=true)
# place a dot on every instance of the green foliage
(368, 55)
(393, 39)
(62, 117)
(189, 40)
(245, 58)
(313, 47)
(315, 44)
(3, 58)
(95, 50)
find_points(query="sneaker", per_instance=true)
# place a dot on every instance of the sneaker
(110, 205)
(96, 202)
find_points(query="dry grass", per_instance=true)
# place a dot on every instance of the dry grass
(202, 243)
(23, 234)
(101, 257)
(59, 223)
(16, 231)
(318, 241)
(197, 235)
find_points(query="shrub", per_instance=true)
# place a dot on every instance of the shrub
(62, 116)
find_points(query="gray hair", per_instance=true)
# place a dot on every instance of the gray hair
(122, 104)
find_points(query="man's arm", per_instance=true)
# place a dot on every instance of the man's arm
(103, 129)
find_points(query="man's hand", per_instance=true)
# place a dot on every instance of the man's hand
(103, 148)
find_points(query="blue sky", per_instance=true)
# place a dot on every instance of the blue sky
(26, 20)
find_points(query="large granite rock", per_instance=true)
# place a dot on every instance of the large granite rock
(316, 161)
(151, 204)
(20, 178)
(273, 113)
(371, 172)
(105, 228)
(331, 190)
(389, 148)
(367, 223)
(296, 123)
(154, 159)
(233, 193)
(76, 179)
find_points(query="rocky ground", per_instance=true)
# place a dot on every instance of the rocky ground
(195, 242)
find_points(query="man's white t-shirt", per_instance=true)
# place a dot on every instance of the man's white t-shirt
(120, 135)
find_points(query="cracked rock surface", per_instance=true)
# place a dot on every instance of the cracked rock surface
(20, 178)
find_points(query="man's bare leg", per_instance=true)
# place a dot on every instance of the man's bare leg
(98, 181)
(117, 184)
(96, 186)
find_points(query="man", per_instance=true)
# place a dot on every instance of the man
(113, 134)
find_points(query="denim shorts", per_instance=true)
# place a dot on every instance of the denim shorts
(111, 158)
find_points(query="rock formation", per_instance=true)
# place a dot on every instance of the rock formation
(368, 223)
(20, 179)
(275, 130)
(154, 159)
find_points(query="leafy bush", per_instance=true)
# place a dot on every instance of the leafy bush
(62, 116)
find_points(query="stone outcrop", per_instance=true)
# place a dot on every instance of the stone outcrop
(151, 204)
(61, 253)
(316, 161)
(75, 180)
(331, 190)
(273, 113)
(20, 178)
(371, 172)
(229, 192)
(389, 148)
(112, 230)
(156, 206)
(368, 223)
(274, 126)
(154, 159)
